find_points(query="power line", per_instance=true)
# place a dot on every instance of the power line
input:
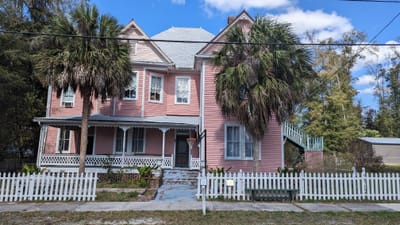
(358, 52)
(206, 42)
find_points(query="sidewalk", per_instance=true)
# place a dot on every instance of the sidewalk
(196, 205)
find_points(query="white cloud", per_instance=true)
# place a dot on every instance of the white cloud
(178, 2)
(367, 91)
(234, 5)
(375, 55)
(323, 25)
(365, 80)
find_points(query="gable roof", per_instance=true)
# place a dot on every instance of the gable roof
(244, 15)
(381, 141)
(181, 53)
(133, 25)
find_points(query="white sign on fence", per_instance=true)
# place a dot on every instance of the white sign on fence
(58, 186)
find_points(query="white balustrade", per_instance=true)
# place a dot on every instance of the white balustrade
(295, 134)
(195, 163)
(105, 160)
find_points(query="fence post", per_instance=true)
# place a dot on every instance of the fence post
(363, 183)
(240, 188)
(301, 187)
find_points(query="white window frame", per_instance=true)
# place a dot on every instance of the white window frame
(242, 143)
(129, 141)
(136, 73)
(59, 138)
(161, 90)
(176, 89)
(67, 104)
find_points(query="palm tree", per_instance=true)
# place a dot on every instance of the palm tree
(259, 81)
(97, 67)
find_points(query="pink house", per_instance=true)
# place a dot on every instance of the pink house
(170, 102)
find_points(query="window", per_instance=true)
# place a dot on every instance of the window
(238, 143)
(131, 90)
(156, 88)
(67, 98)
(137, 140)
(134, 140)
(64, 137)
(182, 90)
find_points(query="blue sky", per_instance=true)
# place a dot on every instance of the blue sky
(328, 18)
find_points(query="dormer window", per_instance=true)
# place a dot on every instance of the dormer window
(68, 98)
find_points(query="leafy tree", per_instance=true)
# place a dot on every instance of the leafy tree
(330, 111)
(21, 95)
(387, 90)
(258, 82)
(97, 67)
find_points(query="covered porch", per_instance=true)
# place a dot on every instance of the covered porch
(116, 142)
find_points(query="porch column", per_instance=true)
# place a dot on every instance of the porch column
(163, 130)
(124, 128)
(42, 143)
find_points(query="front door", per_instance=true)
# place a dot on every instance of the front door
(182, 151)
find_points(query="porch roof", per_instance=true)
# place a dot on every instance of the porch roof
(114, 121)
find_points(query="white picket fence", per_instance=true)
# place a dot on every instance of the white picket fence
(310, 186)
(53, 186)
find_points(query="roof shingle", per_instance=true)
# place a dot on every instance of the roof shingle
(182, 54)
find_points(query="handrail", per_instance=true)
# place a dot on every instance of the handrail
(298, 136)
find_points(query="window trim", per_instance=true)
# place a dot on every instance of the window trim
(62, 103)
(242, 143)
(59, 139)
(162, 87)
(189, 80)
(136, 83)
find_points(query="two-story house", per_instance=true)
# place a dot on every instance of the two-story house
(171, 100)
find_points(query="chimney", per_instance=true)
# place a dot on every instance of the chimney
(231, 19)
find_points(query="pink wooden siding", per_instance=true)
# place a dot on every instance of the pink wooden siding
(169, 142)
(145, 51)
(57, 109)
(153, 142)
(104, 140)
(314, 159)
(191, 109)
(130, 107)
(271, 155)
(52, 138)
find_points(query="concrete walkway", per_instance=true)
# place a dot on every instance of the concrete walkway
(196, 205)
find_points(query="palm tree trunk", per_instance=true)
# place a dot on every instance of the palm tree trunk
(84, 131)
(256, 154)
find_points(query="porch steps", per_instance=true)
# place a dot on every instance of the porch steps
(180, 177)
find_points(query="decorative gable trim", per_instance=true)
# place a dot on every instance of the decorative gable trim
(244, 15)
(133, 25)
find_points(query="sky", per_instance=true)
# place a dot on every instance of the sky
(326, 18)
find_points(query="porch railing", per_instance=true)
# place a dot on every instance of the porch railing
(105, 160)
(72, 160)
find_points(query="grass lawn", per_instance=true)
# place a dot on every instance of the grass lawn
(195, 217)
(104, 196)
